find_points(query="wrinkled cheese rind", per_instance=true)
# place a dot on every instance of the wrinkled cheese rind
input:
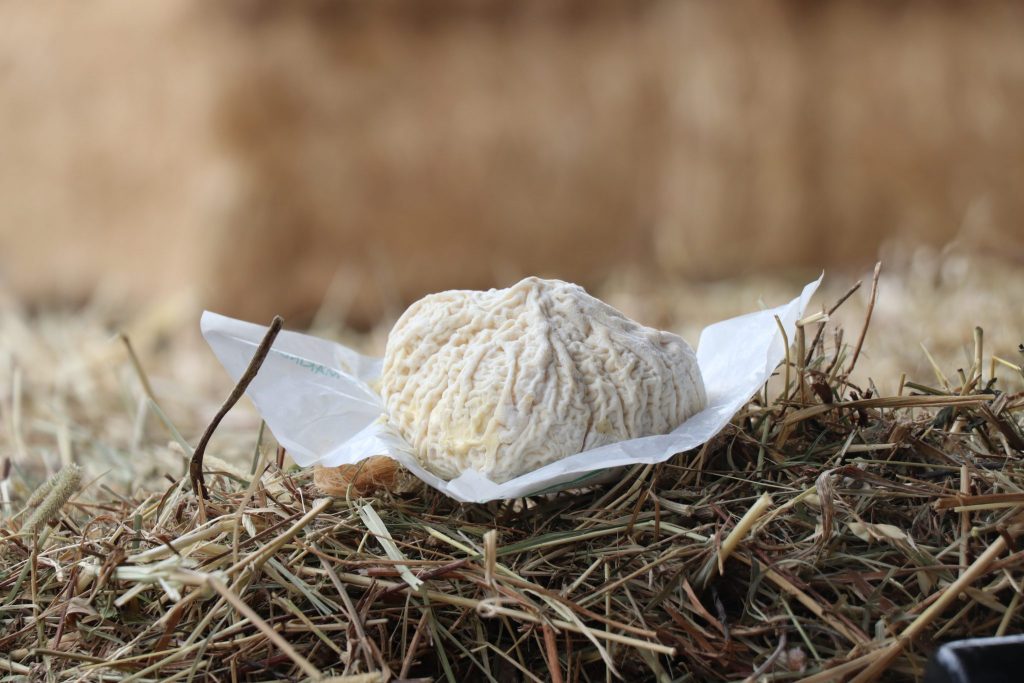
(505, 381)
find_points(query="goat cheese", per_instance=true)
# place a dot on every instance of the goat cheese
(505, 381)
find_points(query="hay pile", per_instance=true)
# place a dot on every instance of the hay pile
(828, 532)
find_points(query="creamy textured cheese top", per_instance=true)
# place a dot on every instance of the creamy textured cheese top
(507, 380)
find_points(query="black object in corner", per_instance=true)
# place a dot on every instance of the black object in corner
(978, 660)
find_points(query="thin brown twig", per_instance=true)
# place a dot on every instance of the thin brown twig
(867, 318)
(821, 328)
(195, 467)
(551, 652)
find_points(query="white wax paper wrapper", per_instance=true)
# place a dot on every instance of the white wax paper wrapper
(317, 397)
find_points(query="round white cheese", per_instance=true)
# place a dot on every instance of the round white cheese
(505, 381)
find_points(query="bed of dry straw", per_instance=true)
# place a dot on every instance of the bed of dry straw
(829, 532)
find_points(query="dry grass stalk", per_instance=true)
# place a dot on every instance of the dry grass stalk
(867, 318)
(934, 610)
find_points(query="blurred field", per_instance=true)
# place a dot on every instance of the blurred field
(263, 155)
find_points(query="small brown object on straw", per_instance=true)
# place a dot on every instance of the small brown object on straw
(376, 473)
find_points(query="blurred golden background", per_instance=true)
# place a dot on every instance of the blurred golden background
(334, 160)
(259, 152)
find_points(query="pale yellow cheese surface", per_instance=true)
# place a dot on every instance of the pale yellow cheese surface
(505, 381)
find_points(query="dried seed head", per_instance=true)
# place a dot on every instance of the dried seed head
(58, 490)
